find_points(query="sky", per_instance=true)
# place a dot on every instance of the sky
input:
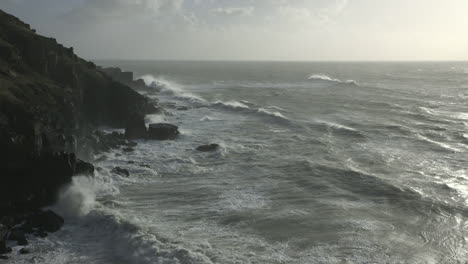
(295, 30)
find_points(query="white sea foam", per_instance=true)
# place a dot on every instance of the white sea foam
(170, 87)
(323, 77)
(442, 145)
(239, 106)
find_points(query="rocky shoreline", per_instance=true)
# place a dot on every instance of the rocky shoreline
(51, 105)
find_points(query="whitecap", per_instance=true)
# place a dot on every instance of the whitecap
(323, 77)
(171, 87)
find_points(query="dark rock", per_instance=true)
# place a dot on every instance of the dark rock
(131, 144)
(101, 158)
(3, 237)
(18, 236)
(121, 171)
(40, 233)
(162, 131)
(144, 165)
(136, 128)
(130, 162)
(24, 251)
(182, 108)
(45, 220)
(128, 149)
(207, 148)
(50, 99)
(84, 168)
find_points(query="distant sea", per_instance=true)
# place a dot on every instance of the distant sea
(319, 163)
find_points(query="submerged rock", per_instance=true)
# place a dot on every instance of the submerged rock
(182, 108)
(163, 131)
(24, 251)
(121, 171)
(207, 148)
(128, 149)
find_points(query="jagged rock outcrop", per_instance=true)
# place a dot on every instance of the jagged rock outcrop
(163, 131)
(124, 77)
(50, 102)
(84, 168)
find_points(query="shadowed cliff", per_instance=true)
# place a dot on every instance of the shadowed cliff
(50, 101)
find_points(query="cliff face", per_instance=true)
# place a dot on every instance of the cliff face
(50, 99)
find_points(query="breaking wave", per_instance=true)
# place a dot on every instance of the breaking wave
(243, 107)
(172, 88)
(100, 227)
(325, 78)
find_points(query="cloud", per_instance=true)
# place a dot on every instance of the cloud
(123, 9)
(234, 11)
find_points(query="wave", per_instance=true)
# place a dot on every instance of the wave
(105, 233)
(325, 78)
(169, 87)
(338, 129)
(243, 107)
(443, 146)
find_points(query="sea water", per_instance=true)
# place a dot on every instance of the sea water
(318, 163)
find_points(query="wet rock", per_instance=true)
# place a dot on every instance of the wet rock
(182, 108)
(45, 220)
(207, 148)
(136, 128)
(3, 236)
(18, 236)
(24, 251)
(131, 144)
(84, 168)
(40, 233)
(121, 171)
(128, 149)
(162, 131)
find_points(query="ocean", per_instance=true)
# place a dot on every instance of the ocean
(339, 162)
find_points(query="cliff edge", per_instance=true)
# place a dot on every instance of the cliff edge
(50, 102)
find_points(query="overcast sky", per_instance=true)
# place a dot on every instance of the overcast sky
(253, 29)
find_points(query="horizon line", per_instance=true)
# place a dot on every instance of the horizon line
(321, 61)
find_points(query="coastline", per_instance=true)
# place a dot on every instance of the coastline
(52, 104)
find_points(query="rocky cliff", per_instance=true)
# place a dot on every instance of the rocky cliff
(50, 101)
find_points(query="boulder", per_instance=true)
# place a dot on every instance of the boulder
(121, 171)
(45, 220)
(207, 148)
(84, 168)
(136, 128)
(162, 131)
(24, 251)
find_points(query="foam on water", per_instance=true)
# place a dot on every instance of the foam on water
(242, 107)
(312, 176)
(172, 88)
(325, 78)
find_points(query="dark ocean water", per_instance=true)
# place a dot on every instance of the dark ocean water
(319, 163)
